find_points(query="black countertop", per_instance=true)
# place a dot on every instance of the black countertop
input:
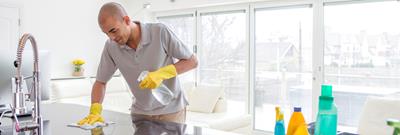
(57, 116)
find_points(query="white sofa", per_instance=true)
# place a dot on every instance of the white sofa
(78, 91)
(207, 105)
(208, 108)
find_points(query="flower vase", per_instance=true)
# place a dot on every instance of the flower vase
(78, 71)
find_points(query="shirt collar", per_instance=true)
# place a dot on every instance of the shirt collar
(124, 47)
(145, 36)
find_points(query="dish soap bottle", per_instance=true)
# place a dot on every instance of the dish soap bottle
(162, 94)
(327, 113)
(297, 124)
(279, 122)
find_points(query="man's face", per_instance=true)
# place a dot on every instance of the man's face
(117, 29)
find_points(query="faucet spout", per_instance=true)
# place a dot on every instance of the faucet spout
(19, 97)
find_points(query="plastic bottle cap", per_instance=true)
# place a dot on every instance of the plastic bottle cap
(277, 108)
(297, 109)
(326, 90)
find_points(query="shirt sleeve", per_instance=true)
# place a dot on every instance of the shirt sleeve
(106, 67)
(173, 45)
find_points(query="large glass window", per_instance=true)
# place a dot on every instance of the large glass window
(362, 54)
(184, 27)
(283, 39)
(223, 56)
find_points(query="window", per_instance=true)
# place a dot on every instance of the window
(223, 57)
(185, 30)
(362, 54)
(283, 73)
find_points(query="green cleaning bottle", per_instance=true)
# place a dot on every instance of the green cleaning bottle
(279, 122)
(394, 123)
(297, 123)
(327, 113)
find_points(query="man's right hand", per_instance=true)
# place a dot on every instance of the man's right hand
(94, 116)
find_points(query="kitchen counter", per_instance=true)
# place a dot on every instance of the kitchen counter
(57, 116)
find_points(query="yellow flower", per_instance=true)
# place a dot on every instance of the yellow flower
(78, 62)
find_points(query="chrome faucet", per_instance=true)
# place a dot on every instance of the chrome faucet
(21, 97)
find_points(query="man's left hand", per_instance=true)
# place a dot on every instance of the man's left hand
(155, 78)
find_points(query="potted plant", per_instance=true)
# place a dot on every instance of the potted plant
(78, 68)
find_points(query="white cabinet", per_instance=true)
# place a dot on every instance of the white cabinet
(9, 27)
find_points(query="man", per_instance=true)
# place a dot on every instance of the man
(134, 47)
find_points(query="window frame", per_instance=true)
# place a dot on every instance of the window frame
(318, 41)
(274, 5)
(225, 9)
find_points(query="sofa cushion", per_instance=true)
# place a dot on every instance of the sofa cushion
(187, 89)
(203, 119)
(204, 98)
(247, 130)
(70, 88)
(231, 123)
(221, 121)
(221, 105)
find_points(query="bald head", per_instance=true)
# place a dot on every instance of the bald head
(115, 23)
(112, 9)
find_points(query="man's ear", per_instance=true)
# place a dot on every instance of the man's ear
(127, 20)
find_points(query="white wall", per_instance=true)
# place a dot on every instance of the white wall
(67, 28)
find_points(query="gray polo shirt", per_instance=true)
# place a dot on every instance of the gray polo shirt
(158, 47)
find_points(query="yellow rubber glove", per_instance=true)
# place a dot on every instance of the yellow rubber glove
(97, 131)
(94, 116)
(154, 79)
